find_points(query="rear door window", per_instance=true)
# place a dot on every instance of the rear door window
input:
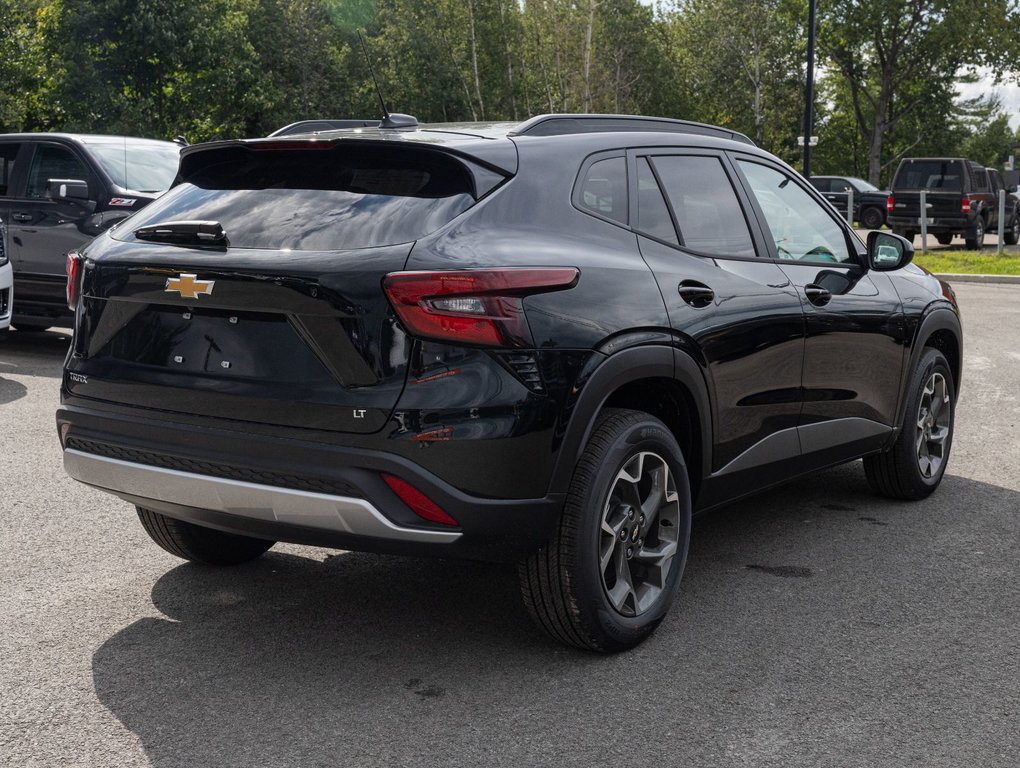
(704, 205)
(653, 214)
(305, 198)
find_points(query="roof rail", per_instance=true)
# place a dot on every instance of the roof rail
(559, 125)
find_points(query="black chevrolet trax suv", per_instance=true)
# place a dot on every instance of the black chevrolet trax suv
(548, 342)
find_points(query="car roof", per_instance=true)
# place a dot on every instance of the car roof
(495, 143)
(81, 138)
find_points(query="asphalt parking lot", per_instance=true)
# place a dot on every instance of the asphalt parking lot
(818, 625)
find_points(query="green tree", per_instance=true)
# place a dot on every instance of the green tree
(896, 55)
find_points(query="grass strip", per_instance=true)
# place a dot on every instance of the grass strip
(970, 262)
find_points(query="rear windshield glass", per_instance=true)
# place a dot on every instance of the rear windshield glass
(139, 167)
(315, 199)
(930, 174)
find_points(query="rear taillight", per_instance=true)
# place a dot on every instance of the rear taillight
(966, 204)
(473, 306)
(890, 203)
(73, 267)
(418, 502)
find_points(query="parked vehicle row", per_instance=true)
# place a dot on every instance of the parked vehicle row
(548, 342)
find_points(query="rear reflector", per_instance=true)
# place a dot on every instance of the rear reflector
(473, 306)
(418, 502)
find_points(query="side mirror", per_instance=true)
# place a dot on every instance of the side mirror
(887, 252)
(67, 189)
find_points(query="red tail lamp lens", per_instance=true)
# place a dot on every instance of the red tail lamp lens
(419, 503)
(890, 203)
(965, 204)
(472, 306)
(73, 268)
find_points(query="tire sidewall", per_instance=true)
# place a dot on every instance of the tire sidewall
(646, 435)
(871, 218)
(932, 361)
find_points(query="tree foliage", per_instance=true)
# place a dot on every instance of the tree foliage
(233, 68)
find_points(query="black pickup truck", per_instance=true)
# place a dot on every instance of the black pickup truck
(869, 201)
(961, 199)
(57, 192)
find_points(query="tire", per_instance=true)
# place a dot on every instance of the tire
(30, 327)
(914, 466)
(1011, 234)
(199, 544)
(872, 218)
(944, 238)
(589, 586)
(976, 239)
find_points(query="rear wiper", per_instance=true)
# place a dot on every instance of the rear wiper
(184, 232)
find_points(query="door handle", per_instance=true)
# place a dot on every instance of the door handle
(696, 294)
(22, 217)
(817, 295)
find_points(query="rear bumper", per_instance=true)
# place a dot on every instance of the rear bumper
(291, 490)
(939, 223)
(6, 294)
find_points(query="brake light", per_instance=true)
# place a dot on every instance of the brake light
(418, 502)
(73, 267)
(473, 306)
(890, 203)
(965, 204)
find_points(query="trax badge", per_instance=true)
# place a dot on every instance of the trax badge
(188, 286)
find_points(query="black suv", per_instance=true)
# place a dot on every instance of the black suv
(59, 190)
(961, 199)
(548, 342)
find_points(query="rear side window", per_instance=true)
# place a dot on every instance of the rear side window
(316, 199)
(705, 206)
(603, 189)
(930, 174)
(8, 153)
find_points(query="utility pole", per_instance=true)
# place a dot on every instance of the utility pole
(809, 88)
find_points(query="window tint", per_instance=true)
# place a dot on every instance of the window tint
(52, 162)
(822, 185)
(930, 174)
(141, 167)
(705, 206)
(315, 199)
(800, 227)
(604, 189)
(8, 154)
(653, 215)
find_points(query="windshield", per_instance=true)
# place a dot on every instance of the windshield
(861, 184)
(139, 167)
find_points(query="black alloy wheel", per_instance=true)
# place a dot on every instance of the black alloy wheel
(609, 574)
(914, 466)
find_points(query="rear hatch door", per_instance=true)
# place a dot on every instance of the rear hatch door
(282, 318)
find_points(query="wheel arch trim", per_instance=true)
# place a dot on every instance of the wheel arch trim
(937, 318)
(628, 366)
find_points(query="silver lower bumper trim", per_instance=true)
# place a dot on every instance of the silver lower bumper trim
(251, 500)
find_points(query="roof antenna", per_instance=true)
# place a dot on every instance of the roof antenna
(395, 120)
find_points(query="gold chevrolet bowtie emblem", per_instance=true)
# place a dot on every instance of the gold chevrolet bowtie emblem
(189, 286)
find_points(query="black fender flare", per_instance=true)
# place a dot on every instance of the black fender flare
(604, 375)
(941, 317)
